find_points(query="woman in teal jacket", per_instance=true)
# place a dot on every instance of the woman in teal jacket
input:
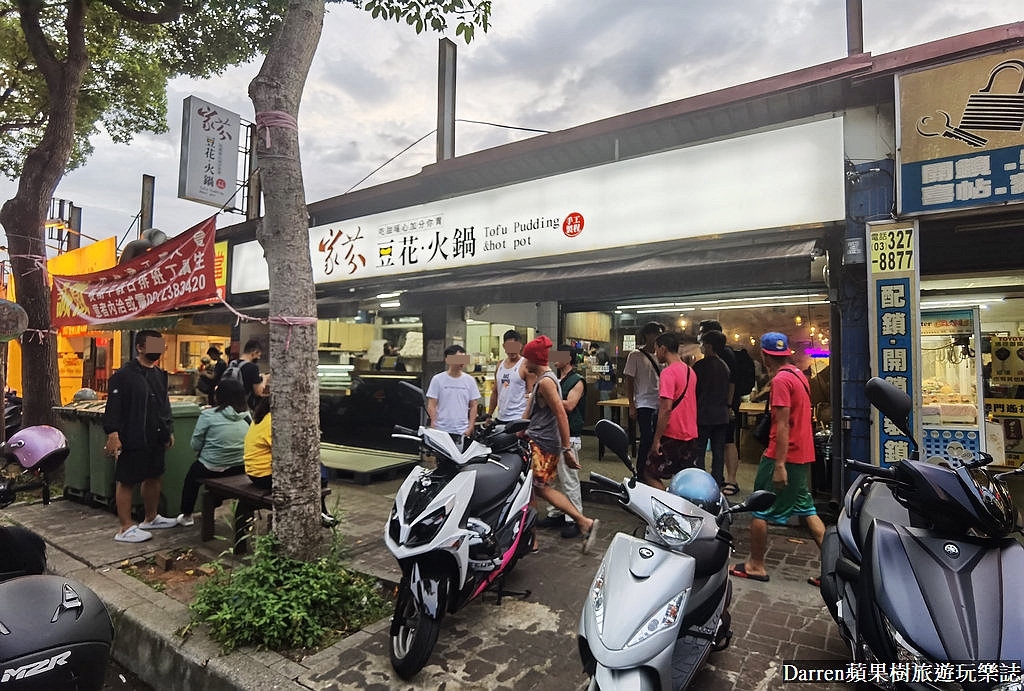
(219, 439)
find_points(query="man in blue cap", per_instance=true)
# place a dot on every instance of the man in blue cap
(785, 465)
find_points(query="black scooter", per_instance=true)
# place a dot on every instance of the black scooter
(921, 566)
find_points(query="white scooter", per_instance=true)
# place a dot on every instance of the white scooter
(456, 530)
(658, 605)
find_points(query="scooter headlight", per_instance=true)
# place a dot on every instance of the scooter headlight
(663, 618)
(597, 598)
(905, 651)
(675, 529)
(427, 528)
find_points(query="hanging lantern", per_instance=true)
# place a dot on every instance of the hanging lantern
(13, 320)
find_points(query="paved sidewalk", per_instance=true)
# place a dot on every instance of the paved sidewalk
(523, 644)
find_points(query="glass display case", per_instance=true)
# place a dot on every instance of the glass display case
(334, 377)
(952, 405)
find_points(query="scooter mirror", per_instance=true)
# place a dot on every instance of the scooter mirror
(761, 500)
(892, 402)
(616, 439)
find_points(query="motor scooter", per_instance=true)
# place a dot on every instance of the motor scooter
(659, 604)
(55, 633)
(921, 567)
(456, 530)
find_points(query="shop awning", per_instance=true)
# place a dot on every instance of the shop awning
(644, 271)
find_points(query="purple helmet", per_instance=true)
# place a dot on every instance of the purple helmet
(39, 447)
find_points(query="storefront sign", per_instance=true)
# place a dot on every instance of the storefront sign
(1007, 360)
(177, 273)
(953, 323)
(960, 134)
(1007, 415)
(891, 249)
(777, 179)
(70, 366)
(894, 311)
(208, 168)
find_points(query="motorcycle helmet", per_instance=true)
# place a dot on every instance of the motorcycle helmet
(697, 487)
(57, 632)
(85, 395)
(39, 447)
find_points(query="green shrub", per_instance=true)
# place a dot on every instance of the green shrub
(279, 603)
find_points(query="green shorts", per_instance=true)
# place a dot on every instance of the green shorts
(792, 500)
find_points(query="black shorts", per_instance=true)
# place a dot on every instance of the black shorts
(136, 465)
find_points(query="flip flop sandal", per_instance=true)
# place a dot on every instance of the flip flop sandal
(730, 488)
(740, 571)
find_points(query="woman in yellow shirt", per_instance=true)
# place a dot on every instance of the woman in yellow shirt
(258, 459)
(257, 446)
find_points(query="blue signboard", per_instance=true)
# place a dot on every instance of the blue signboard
(895, 356)
(958, 182)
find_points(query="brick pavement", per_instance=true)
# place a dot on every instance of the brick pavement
(523, 644)
(531, 643)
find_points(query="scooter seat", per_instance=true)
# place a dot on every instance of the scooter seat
(493, 481)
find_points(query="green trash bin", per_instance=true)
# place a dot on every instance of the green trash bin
(180, 457)
(76, 466)
(101, 466)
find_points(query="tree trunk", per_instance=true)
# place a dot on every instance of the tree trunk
(284, 233)
(24, 215)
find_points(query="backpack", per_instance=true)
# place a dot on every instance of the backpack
(233, 372)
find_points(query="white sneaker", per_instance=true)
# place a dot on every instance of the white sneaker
(133, 534)
(159, 522)
(183, 521)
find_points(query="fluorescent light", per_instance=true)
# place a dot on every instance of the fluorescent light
(773, 304)
(388, 296)
(962, 302)
(394, 303)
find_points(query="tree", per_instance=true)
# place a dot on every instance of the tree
(69, 68)
(284, 233)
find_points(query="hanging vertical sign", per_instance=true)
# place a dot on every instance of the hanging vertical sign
(894, 319)
(208, 167)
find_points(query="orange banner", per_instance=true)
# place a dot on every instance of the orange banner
(179, 272)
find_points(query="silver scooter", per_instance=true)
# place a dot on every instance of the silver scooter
(658, 605)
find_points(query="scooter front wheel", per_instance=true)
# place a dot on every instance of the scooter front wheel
(413, 633)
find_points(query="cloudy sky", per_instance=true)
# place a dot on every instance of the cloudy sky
(545, 64)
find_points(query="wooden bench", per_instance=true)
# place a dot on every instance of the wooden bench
(249, 498)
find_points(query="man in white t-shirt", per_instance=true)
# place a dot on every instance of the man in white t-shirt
(453, 395)
(508, 399)
(642, 374)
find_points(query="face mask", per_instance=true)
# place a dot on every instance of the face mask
(152, 357)
(255, 360)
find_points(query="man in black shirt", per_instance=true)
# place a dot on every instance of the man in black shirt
(140, 428)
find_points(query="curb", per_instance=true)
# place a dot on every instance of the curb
(147, 640)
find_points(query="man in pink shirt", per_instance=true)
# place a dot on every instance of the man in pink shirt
(674, 446)
(786, 463)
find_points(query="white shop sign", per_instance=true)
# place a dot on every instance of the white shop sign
(774, 179)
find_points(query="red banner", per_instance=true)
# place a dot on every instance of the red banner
(177, 273)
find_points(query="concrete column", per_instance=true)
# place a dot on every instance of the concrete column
(443, 325)
(547, 320)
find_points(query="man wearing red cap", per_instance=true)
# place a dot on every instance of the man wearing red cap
(785, 464)
(549, 436)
